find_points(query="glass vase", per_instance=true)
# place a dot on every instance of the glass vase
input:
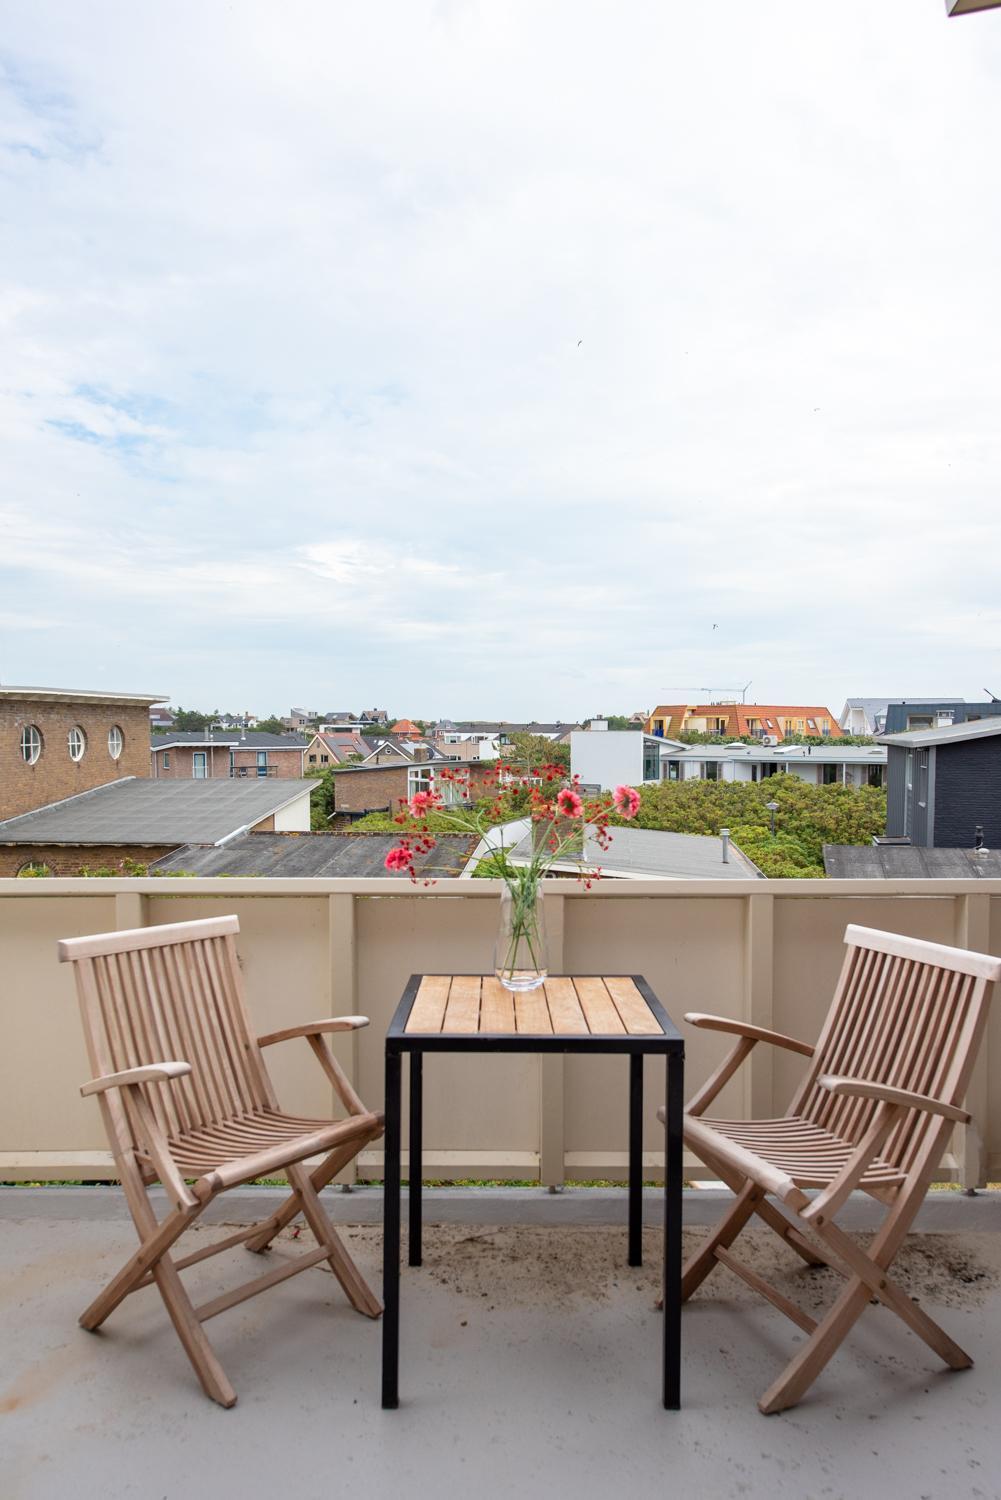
(520, 953)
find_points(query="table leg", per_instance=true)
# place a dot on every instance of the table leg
(416, 1152)
(673, 1137)
(636, 1158)
(391, 1237)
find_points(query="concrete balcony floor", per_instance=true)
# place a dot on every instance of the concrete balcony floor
(529, 1364)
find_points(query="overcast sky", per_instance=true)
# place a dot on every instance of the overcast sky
(527, 360)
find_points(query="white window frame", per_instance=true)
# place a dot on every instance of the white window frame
(116, 742)
(76, 743)
(31, 744)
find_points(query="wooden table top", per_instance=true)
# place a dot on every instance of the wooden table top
(471, 1004)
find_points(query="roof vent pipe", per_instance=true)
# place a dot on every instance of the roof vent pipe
(978, 839)
(724, 834)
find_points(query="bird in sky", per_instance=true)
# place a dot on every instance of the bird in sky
(579, 342)
(715, 627)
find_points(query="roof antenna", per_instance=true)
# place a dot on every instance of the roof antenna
(992, 696)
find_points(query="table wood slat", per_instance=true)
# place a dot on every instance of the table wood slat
(599, 1008)
(496, 1008)
(462, 1014)
(564, 1008)
(636, 1015)
(428, 1010)
(532, 1013)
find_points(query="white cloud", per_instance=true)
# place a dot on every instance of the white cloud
(481, 358)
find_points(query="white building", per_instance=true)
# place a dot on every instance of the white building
(607, 758)
(820, 765)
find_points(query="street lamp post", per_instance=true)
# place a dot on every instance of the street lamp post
(773, 808)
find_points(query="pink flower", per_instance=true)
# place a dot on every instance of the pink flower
(569, 803)
(422, 802)
(399, 858)
(627, 801)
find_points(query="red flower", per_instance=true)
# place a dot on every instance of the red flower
(569, 803)
(399, 859)
(627, 801)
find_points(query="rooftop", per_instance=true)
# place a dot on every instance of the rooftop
(81, 695)
(948, 734)
(644, 853)
(136, 810)
(250, 739)
(358, 855)
(907, 862)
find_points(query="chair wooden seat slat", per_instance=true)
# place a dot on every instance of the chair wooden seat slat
(184, 1094)
(882, 1091)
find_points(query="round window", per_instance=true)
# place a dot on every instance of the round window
(116, 742)
(77, 742)
(33, 871)
(31, 743)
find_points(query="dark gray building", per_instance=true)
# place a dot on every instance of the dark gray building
(944, 783)
(925, 713)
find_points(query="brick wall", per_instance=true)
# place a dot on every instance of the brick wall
(283, 765)
(368, 791)
(55, 775)
(68, 860)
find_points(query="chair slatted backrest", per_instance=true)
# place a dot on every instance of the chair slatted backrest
(908, 1014)
(172, 992)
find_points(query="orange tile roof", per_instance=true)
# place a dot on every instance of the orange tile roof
(737, 715)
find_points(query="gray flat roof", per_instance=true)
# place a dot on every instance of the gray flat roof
(358, 855)
(236, 739)
(139, 811)
(644, 852)
(916, 739)
(906, 862)
(81, 695)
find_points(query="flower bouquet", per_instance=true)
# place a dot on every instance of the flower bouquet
(557, 817)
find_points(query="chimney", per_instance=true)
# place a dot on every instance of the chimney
(597, 724)
(724, 834)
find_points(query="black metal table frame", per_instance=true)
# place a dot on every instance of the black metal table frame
(670, 1045)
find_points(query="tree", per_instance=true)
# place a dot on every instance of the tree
(531, 751)
(273, 725)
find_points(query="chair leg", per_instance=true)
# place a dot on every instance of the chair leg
(801, 1371)
(153, 1247)
(192, 1335)
(292, 1205)
(358, 1292)
(704, 1260)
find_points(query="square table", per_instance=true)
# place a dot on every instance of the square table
(586, 1013)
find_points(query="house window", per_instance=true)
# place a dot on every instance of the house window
(711, 770)
(825, 726)
(768, 769)
(312, 760)
(76, 740)
(116, 742)
(31, 744)
(33, 870)
(166, 760)
(830, 775)
(199, 764)
(874, 775)
(324, 759)
(673, 770)
(658, 728)
(262, 762)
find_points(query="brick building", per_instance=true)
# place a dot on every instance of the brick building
(56, 742)
(362, 789)
(208, 754)
(768, 722)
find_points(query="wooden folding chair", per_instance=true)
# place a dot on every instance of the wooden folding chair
(883, 1091)
(187, 1102)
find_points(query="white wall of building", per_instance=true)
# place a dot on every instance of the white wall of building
(295, 817)
(607, 757)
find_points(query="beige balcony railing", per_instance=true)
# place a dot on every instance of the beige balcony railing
(768, 952)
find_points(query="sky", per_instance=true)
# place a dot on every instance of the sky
(521, 360)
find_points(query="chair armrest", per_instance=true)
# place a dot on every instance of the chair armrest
(160, 1072)
(752, 1033)
(314, 1028)
(862, 1088)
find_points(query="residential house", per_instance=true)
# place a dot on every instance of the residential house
(820, 765)
(160, 718)
(56, 742)
(768, 722)
(406, 729)
(327, 748)
(207, 755)
(604, 758)
(944, 784)
(920, 713)
(868, 715)
(142, 820)
(380, 787)
(300, 718)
